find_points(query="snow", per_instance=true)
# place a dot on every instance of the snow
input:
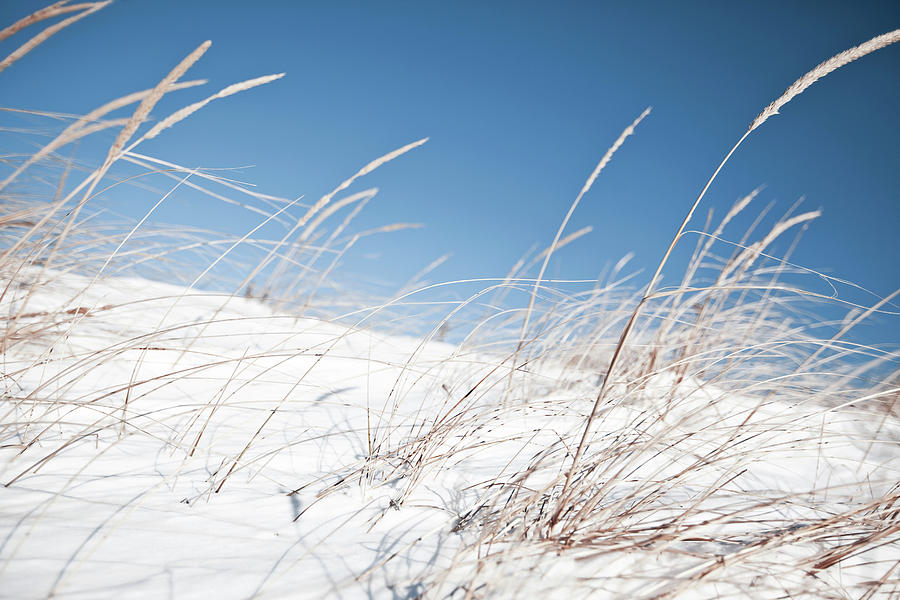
(168, 443)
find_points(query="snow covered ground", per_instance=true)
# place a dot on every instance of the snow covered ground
(165, 443)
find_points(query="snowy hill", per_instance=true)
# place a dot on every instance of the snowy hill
(165, 443)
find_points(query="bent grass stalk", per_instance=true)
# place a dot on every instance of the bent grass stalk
(794, 90)
(549, 253)
(51, 11)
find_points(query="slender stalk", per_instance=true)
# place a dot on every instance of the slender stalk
(630, 325)
(795, 89)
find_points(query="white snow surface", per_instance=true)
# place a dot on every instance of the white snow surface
(157, 435)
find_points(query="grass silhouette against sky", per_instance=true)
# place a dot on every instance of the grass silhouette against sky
(519, 101)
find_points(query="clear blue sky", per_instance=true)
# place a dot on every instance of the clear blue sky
(520, 100)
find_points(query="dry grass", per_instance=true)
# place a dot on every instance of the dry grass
(54, 10)
(795, 89)
(625, 440)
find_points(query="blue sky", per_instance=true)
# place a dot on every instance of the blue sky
(520, 100)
